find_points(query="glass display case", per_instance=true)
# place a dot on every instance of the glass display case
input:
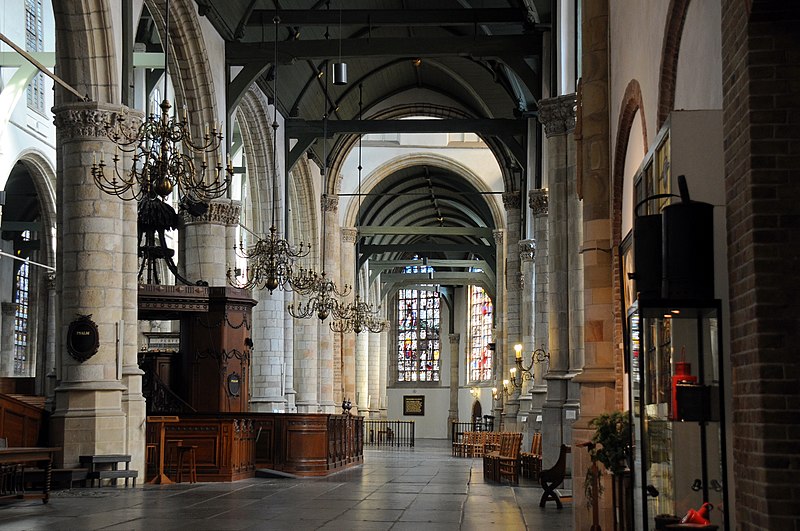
(676, 392)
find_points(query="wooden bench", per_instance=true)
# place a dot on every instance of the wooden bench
(92, 462)
(551, 478)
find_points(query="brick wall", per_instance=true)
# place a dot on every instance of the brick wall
(761, 82)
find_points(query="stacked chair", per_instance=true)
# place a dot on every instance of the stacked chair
(504, 462)
(532, 461)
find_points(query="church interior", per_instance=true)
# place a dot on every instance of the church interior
(293, 235)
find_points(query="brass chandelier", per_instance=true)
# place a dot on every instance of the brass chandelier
(270, 261)
(324, 294)
(359, 315)
(164, 159)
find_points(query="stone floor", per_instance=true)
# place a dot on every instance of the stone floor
(420, 489)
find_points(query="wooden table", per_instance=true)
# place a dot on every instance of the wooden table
(161, 478)
(22, 455)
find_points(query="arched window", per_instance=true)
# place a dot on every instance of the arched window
(21, 297)
(34, 42)
(418, 347)
(480, 322)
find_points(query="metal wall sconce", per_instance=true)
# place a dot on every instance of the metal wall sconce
(527, 373)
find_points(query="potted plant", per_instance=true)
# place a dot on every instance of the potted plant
(610, 446)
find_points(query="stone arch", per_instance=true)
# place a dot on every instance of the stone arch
(632, 104)
(425, 159)
(254, 122)
(670, 51)
(85, 53)
(43, 176)
(342, 148)
(304, 204)
(190, 70)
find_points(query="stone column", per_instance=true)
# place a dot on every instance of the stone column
(50, 353)
(455, 355)
(348, 350)
(558, 116)
(375, 355)
(513, 331)
(267, 364)
(205, 242)
(306, 363)
(527, 252)
(597, 379)
(94, 280)
(499, 328)
(537, 201)
(330, 207)
(384, 357)
(361, 384)
(289, 393)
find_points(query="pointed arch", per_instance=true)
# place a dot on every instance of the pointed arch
(670, 51)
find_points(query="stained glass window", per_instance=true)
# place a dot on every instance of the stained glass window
(34, 35)
(21, 293)
(480, 321)
(418, 345)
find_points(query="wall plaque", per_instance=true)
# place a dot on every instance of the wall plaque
(83, 338)
(414, 405)
(234, 384)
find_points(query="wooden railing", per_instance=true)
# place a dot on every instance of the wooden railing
(231, 446)
(389, 433)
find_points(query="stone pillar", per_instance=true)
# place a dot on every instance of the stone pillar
(513, 331)
(597, 379)
(205, 241)
(306, 363)
(375, 355)
(537, 201)
(9, 310)
(289, 393)
(384, 357)
(527, 252)
(361, 385)
(499, 329)
(348, 350)
(267, 364)
(95, 279)
(558, 116)
(50, 353)
(455, 355)
(330, 207)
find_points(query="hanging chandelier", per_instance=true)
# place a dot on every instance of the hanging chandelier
(270, 261)
(359, 315)
(323, 293)
(164, 160)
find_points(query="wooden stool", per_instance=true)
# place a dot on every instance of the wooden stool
(187, 456)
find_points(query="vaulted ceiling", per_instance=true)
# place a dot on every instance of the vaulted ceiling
(477, 64)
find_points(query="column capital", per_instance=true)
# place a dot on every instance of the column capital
(220, 212)
(51, 280)
(511, 200)
(455, 338)
(558, 114)
(329, 203)
(527, 250)
(349, 234)
(538, 201)
(91, 120)
(498, 236)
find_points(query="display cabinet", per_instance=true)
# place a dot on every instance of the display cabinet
(677, 414)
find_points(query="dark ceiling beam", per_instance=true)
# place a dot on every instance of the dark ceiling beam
(489, 127)
(481, 46)
(392, 17)
(485, 251)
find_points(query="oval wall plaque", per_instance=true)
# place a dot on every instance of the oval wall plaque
(234, 384)
(83, 338)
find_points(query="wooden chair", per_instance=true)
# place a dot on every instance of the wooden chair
(532, 461)
(551, 478)
(508, 462)
(492, 443)
(458, 445)
(477, 445)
